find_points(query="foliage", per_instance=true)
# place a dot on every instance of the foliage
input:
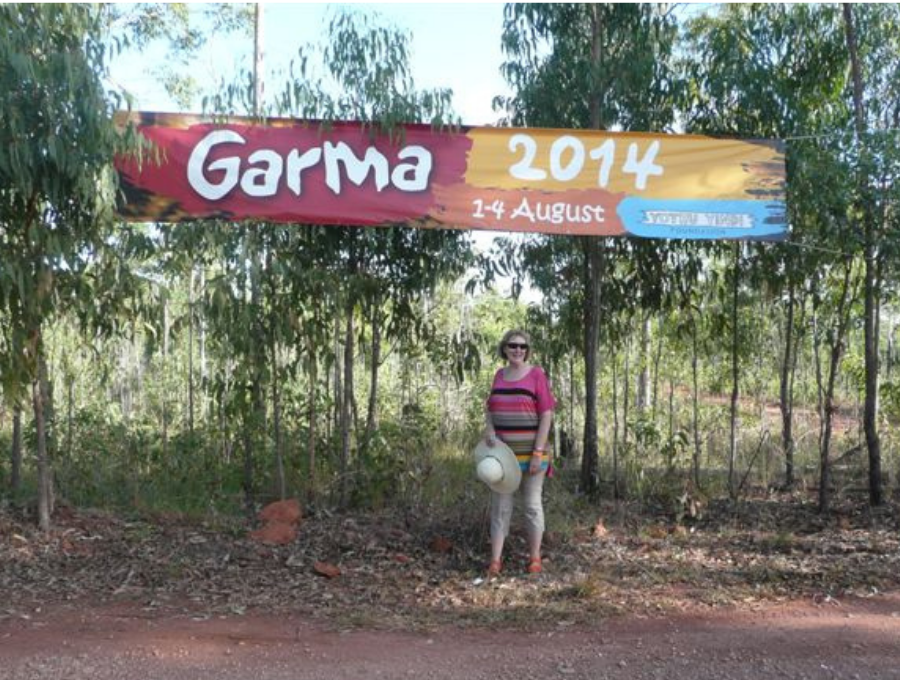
(56, 146)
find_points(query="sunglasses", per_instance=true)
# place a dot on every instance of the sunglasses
(516, 345)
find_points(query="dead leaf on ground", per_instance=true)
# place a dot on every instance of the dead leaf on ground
(326, 569)
(441, 545)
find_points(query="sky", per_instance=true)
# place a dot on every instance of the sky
(454, 45)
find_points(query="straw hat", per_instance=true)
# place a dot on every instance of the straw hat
(497, 467)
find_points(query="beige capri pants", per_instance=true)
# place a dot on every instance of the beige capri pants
(502, 506)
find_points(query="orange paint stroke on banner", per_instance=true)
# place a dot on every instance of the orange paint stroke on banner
(679, 165)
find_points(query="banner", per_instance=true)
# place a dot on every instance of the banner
(577, 182)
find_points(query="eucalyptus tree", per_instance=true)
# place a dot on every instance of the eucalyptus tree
(367, 79)
(374, 276)
(57, 188)
(590, 66)
(803, 72)
(775, 71)
(872, 42)
(182, 30)
(690, 303)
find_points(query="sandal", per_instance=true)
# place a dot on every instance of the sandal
(534, 566)
(494, 568)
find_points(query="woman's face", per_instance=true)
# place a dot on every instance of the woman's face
(516, 350)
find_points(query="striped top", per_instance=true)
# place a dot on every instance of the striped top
(516, 407)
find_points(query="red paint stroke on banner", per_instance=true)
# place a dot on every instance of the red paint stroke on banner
(165, 186)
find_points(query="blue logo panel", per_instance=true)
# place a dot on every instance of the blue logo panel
(704, 219)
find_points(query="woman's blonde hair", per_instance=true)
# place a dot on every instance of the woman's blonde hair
(501, 348)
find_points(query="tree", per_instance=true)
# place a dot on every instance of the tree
(371, 276)
(774, 71)
(590, 66)
(872, 53)
(57, 187)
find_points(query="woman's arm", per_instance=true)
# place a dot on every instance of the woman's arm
(490, 437)
(540, 442)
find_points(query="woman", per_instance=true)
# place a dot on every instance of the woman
(519, 412)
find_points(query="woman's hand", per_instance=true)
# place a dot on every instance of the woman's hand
(537, 458)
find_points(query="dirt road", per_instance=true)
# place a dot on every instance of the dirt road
(853, 639)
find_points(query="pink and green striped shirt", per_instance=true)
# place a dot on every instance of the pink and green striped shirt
(516, 407)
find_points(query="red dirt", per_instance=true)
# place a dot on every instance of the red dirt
(857, 638)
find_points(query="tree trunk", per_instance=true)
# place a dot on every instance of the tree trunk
(837, 351)
(43, 460)
(201, 340)
(346, 405)
(258, 54)
(38, 397)
(870, 412)
(798, 338)
(695, 401)
(787, 406)
(657, 358)
(671, 410)
(190, 351)
(15, 477)
(732, 448)
(820, 382)
(572, 394)
(372, 409)
(626, 391)
(615, 446)
(890, 350)
(337, 368)
(280, 481)
(278, 443)
(589, 462)
(70, 413)
(313, 412)
(247, 437)
(219, 405)
(50, 434)
(164, 395)
(643, 387)
(258, 345)
(593, 260)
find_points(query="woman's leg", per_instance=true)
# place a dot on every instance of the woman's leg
(501, 513)
(532, 489)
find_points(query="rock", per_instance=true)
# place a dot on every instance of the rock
(275, 533)
(280, 522)
(287, 512)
